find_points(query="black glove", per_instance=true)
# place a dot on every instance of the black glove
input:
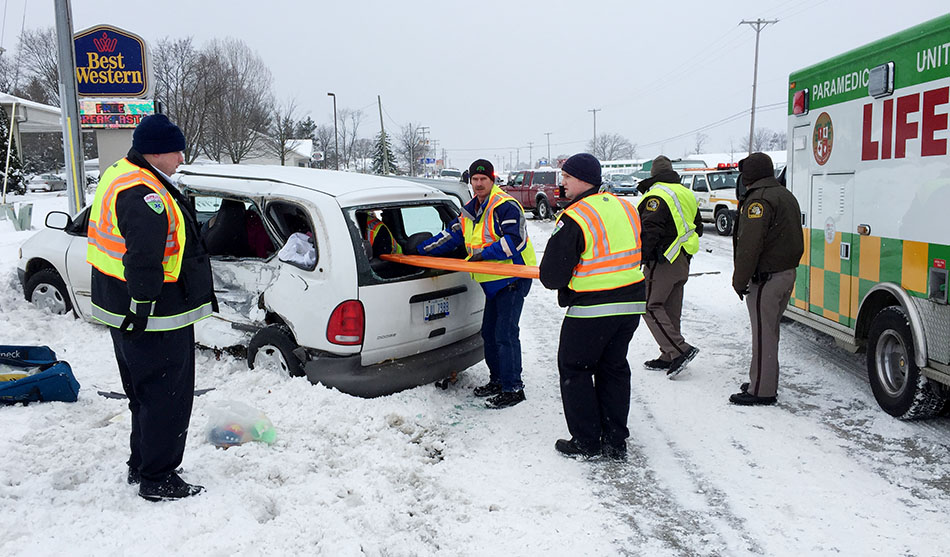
(741, 291)
(136, 319)
(476, 257)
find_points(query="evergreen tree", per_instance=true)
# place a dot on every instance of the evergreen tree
(383, 145)
(15, 180)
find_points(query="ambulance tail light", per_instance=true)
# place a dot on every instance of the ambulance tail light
(347, 323)
(800, 102)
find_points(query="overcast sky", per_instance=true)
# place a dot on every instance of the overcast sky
(492, 76)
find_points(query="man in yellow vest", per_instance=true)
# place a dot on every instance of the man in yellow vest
(379, 237)
(671, 229)
(151, 281)
(593, 260)
(492, 228)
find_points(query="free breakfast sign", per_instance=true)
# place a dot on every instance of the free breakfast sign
(110, 62)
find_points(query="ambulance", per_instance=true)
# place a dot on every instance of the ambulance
(868, 161)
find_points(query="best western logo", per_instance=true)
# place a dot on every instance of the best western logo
(106, 69)
(110, 62)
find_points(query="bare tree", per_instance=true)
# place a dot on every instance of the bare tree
(239, 113)
(7, 70)
(611, 146)
(409, 147)
(701, 140)
(765, 139)
(362, 150)
(38, 54)
(183, 84)
(323, 141)
(280, 138)
(349, 125)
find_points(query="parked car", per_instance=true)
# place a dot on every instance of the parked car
(621, 184)
(450, 174)
(538, 190)
(347, 319)
(46, 182)
(715, 191)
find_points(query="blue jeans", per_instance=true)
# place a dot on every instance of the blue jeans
(500, 332)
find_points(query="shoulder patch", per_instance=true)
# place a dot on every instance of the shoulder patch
(756, 210)
(154, 202)
(653, 204)
(558, 226)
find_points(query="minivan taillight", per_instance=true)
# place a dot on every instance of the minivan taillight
(346, 324)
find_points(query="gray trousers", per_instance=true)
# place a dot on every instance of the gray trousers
(766, 302)
(664, 282)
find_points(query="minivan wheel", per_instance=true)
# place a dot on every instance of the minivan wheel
(46, 289)
(273, 346)
(724, 222)
(899, 387)
(544, 210)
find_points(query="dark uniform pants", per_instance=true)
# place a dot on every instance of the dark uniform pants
(665, 282)
(158, 375)
(595, 377)
(766, 302)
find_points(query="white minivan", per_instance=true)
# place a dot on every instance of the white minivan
(341, 316)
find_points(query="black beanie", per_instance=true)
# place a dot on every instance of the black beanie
(156, 135)
(661, 164)
(585, 167)
(481, 166)
(755, 167)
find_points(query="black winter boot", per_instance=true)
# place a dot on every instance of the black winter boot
(488, 389)
(574, 449)
(504, 400)
(169, 489)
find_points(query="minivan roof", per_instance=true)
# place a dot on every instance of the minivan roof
(347, 187)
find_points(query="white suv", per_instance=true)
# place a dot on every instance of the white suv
(715, 191)
(348, 320)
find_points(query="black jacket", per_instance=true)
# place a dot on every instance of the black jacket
(563, 253)
(658, 227)
(145, 232)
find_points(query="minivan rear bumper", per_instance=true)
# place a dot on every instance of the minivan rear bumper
(346, 374)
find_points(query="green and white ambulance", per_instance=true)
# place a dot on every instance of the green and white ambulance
(868, 161)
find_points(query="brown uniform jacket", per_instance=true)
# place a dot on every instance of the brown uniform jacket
(768, 236)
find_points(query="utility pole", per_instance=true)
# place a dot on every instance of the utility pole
(758, 25)
(412, 158)
(595, 111)
(518, 160)
(425, 149)
(549, 147)
(435, 150)
(531, 153)
(336, 135)
(69, 103)
(382, 137)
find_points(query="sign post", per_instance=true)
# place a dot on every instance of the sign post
(68, 100)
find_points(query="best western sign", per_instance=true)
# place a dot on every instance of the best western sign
(110, 62)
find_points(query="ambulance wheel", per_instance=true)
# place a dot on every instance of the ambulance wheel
(46, 290)
(273, 346)
(896, 381)
(544, 210)
(724, 222)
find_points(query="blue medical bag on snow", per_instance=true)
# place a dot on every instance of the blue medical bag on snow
(33, 374)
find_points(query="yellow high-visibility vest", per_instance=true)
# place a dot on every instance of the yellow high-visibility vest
(481, 234)
(106, 245)
(611, 257)
(683, 207)
(374, 227)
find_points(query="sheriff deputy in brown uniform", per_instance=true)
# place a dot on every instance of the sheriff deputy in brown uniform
(671, 230)
(767, 247)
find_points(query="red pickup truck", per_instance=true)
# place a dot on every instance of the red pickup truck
(538, 190)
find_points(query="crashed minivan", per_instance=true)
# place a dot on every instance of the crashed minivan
(329, 308)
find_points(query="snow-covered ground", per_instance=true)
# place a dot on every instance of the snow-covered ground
(427, 472)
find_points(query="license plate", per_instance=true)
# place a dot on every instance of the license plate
(436, 309)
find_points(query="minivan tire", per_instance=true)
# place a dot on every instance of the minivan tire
(275, 343)
(46, 289)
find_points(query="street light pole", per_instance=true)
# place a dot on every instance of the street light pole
(549, 147)
(336, 135)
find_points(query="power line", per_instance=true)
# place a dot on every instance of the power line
(715, 124)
